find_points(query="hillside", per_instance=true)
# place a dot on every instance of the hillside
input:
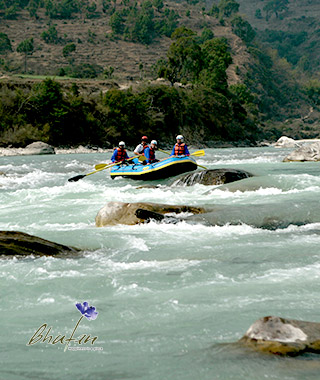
(96, 44)
(290, 26)
(227, 84)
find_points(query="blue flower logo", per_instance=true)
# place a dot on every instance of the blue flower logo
(88, 311)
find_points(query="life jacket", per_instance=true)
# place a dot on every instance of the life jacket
(152, 155)
(179, 149)
(144, 147)
(121, 154)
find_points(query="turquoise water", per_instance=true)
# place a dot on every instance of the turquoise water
(170, 298)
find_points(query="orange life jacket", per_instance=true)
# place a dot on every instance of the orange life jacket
(179, 149)
(121, 154)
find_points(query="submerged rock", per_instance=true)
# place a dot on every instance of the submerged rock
(266, 216)
(305, 153)
(13, 243)
(212, 177)
(282, 336)
(114, 213)
(38, 147)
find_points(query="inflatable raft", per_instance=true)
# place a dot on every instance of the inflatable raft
(159, 170)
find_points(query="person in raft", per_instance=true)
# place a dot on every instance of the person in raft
(139, 151)
(120, 154)
(180, 148)
(150, 152)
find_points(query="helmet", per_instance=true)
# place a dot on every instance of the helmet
(154, 142)
(121, 143)
(179, 137)
(144, 138)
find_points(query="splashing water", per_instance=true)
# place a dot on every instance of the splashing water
(170, 296)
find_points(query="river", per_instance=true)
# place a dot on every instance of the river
(170, 297)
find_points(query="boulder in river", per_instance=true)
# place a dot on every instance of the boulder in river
(286, 142)
(212, 177)
(114, 213)
(282, 336)
(38, 147)
(14, 243)
(305, 153)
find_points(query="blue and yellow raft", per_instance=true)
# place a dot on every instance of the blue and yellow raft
(166, 168)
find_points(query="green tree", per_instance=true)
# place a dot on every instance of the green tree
(126, 115)
(50, 36)
(216, 61)
(143, 30)
(243, 29)
(158, 4)
(63, 9)
(10, 10)
(207, 34)
(85, 70)
(228, 7)
(5, 44)
(275, 7)
(214, 11)
(91, 9)
(169, 23)
(108, 72)
(117, 23)
(26, 47)
(33, 6)
(258, 14)
(184, 57)
(105, 5)
(242, 93)
(312, 89)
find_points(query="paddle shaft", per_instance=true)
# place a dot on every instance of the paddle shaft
(198, 153)
(106, 166)
(101, 166)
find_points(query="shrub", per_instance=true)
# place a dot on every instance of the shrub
(68, 49)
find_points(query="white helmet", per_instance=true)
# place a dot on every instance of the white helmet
(121, 143)
(154, 142)
(179, 137)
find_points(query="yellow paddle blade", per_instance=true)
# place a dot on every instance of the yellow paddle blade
(142, 158)
(100, 166)
(198, 153)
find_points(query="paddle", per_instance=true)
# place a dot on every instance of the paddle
(103, 166)
(198, 153)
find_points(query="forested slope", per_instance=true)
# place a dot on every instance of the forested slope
(221, 80)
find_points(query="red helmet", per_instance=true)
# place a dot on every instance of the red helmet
(144, 138)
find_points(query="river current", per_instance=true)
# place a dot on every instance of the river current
(170, 297)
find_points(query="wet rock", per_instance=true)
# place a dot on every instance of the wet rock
(114, 213)
(13, 243)
(282, 336)
(286, 142)
(38, 147)
(305, 153)
(148, 216)
(149, 187)
(212, 177)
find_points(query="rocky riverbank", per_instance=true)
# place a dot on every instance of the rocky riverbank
(29, 150)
